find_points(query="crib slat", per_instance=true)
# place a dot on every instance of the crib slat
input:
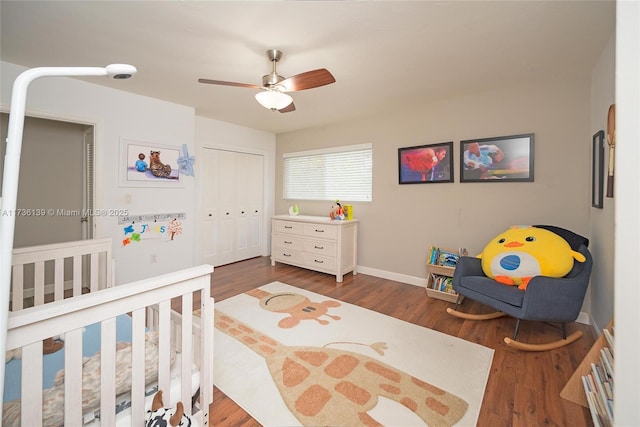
(58, 281)
(73, 377)
(187, 339)
(94, 282)
(38, 283)
(137, 368)
(108, 372)
(77, 275)
(31, 405)
(206, 353)
(17, 291)
(164, 341)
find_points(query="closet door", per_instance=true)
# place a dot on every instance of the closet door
(208, 224)
(249, 185)
(232, 206)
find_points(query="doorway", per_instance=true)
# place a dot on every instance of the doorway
(56, 178)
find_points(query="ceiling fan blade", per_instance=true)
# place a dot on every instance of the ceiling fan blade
(308, 80)
(223, 83)
(289, 108)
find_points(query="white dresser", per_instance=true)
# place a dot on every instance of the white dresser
(315, 242)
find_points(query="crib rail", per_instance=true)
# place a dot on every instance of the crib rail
(28, 327)
(41, 273)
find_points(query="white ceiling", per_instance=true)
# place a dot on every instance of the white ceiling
(384, 55)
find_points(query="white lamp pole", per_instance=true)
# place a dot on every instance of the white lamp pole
(12, 170)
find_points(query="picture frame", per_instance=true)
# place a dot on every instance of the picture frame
(497, 159)
(136, 171)
(426, 164)
(597, 170)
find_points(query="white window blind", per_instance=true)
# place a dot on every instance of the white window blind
(339, 173)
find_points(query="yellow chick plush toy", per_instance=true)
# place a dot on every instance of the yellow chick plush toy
(520, 253)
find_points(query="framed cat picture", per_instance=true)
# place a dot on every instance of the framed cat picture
(146, 164)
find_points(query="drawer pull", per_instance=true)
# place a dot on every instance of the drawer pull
(286, 254)
(288, 226)
(319, 247)
(319, 261)
(288, 243)
(319, 231)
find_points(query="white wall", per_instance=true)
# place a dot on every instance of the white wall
(216, 134)
(118, 114)
(627, 216)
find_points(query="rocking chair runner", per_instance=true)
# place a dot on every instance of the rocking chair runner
(546, 299)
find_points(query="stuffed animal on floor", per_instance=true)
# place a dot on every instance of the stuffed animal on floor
(520, 253)
(159, 416)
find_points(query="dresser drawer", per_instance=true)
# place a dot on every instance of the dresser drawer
(287, 242)
(319, 247)
(289, 227)
(319, 262)
(287, 256)
(321, 230)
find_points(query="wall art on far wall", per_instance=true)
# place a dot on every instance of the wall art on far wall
(146, 164)
(597, 170)
(498, 159)
(426, 164)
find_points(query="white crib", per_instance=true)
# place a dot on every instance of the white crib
(149, 303)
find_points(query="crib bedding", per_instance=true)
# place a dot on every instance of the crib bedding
(54, 362)
(53, 395)
(52, 408)
(123, 409)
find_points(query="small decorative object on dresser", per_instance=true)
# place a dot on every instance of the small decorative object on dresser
(315, 242)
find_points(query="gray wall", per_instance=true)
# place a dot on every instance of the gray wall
(397, 228)
(51, 177)
(602, 224)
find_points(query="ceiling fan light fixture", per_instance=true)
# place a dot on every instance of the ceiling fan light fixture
(273, 99)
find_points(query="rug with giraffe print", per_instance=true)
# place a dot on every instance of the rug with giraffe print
(290, 357)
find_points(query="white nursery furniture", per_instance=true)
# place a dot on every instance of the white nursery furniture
(165, 350)
(314, 242)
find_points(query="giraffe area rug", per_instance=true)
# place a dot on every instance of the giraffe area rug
(290, 357)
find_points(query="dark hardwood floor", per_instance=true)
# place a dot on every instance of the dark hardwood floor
(523, 387)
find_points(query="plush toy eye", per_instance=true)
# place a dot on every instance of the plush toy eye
(530, 239)
(502, 240)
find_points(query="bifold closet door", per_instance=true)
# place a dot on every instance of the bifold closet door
(232, 206)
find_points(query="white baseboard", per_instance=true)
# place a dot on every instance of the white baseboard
(584, 318)
(397, 277)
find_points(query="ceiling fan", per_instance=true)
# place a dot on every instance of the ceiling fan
(272, 93)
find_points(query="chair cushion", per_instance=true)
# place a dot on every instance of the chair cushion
(491, 290)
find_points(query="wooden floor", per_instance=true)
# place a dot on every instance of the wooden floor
(523, 387)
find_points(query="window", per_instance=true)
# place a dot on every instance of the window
(338, 173)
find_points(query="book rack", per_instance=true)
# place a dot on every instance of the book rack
(574, 390)
(440, 268)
